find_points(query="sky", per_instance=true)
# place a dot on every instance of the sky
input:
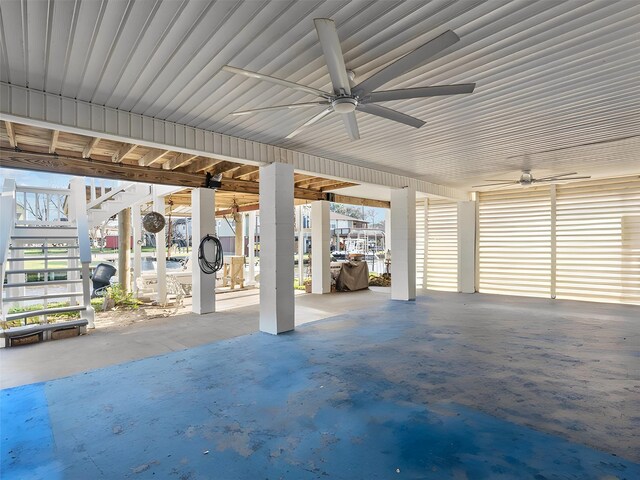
(39, 179)
(35, 179)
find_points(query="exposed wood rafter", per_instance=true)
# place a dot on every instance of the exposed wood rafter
(54, 141)
(11, 134)
(180, 161)
(151, 157)
(245, 172)
(86, 153)
(125, 150)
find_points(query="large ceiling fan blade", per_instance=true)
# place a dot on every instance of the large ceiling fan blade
(389, 114)
(311, 121)
(407, 63)
(557, 176)
(538, 180)
(330, 43)
(511, 182)
(420, 92)
(277, 81)
(280, 107)
(351, 124)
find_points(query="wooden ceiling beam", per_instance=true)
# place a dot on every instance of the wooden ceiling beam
(124, 150)
(151, 157)
(11, 134)
(86, 153)
(359, 201)
(120, 171)
(251, 207)
(181, 160)
(54, 141)
(335, 186)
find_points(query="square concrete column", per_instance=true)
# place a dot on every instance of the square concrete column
(467, 247)
(320, 250)
(161, 253)
(251, 279)
(203, 222)
(403, 244)
(277, 308)
(136, 223)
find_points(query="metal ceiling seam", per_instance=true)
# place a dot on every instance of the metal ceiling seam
(46, 110)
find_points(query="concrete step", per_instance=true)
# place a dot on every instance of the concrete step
(37, 333)
(45, 311)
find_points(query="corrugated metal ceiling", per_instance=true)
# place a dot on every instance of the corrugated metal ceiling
(557, 82)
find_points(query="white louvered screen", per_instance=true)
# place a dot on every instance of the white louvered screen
(598, 241)
(442, 245)
(514, 242)
(420, 242)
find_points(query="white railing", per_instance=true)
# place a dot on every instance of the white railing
(96, 200)
(7, 214)
(78, 209)
(36, 206)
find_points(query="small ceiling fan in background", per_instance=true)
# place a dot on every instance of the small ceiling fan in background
(527, 179)
(346, 97)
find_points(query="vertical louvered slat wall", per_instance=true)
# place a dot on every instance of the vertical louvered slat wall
(420, 241)
(514, 250)
(442, 245)
(596, 252)
(598, 241)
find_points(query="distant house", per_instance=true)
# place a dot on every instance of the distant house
(338, 220)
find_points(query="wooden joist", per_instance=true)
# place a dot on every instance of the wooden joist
(11, 134)
(54, 141)
(180, 160)
(124, 150)
(152, 157)
(86, 153)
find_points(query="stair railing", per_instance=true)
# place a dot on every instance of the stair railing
(78, 206)
(8, 215)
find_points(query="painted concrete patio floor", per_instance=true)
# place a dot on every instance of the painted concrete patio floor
(347, 398)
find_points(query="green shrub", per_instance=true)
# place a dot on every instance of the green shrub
(121, 298)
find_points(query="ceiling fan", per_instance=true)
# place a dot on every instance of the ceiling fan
(347, 97)
(527, 179)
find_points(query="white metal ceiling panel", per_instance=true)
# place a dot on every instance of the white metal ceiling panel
(551, 76)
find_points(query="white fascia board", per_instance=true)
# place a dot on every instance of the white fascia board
(42, 109)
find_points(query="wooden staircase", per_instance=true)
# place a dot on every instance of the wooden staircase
(46, 289)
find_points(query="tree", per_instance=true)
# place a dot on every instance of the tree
(348, 210)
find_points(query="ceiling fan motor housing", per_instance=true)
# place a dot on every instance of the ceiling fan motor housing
(344, 104)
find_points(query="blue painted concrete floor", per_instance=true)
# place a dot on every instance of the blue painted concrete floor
(359, 396)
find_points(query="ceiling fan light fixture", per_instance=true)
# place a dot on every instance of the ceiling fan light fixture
(344, 104)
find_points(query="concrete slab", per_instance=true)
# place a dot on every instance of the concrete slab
(451, 386)
(110, 344)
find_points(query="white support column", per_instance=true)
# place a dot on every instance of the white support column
(277, 307)
(136, 223)
(466, 247)
(387, 229)
(203, 222)
(320, 252)
(251, 223)
(403, 244)
(161, 254)
(299, 225)
(554, 244)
